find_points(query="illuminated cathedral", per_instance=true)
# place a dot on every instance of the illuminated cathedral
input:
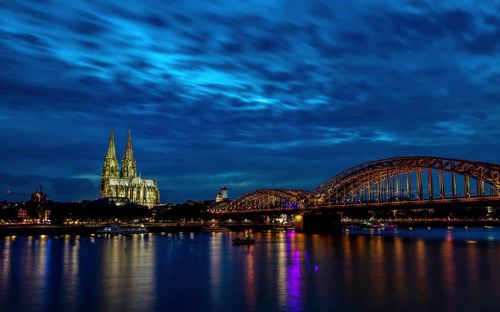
(125, 185)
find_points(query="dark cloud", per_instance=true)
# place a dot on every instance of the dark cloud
(487, 42)
(249, 96)
(34, 40)
(88, 24)
(90, 45)
(271, 44)
(321, 10)
(232, 47)
(148, 18)
(354, 38)
(458, 21)
(155, 20)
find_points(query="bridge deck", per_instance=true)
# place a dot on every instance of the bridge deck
(423, 204)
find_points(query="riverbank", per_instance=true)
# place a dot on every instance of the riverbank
(152, 228)
(175, 228)
(85, 230)
(438, 223)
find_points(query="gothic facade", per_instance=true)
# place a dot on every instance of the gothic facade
(125, 185)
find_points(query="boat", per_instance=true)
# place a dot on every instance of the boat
(389, 226)
(243, 241)
(354, 227)
(278, 230)
(123, 230)
(366, 225)
(215, 229)
(247, 240)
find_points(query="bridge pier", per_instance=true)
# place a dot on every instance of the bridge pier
(319, 222)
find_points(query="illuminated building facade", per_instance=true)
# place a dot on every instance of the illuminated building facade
(222, 195)
(22, 214)
(39, 197)
(221, 200)
(125, 185)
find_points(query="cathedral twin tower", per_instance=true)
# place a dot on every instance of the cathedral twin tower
(126, 185)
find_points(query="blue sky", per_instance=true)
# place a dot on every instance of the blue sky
(252, 94)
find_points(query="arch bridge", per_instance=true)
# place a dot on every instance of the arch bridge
(400, 180)
(406, 179)
(273, 199)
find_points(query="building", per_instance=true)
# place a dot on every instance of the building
(222, 195)
(22, 214)
(38, 196)
(122, 186)
(221, 200)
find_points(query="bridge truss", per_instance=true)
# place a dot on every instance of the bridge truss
(409, 179)
(394, 180)
(271, 199)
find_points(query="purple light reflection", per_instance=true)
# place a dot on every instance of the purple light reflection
(294, 280)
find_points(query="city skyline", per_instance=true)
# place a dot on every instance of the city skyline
(250, 97)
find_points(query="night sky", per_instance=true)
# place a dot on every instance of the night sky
(252, 94)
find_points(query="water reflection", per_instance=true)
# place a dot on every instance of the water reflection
(70, 264)
(294, 274)
(448, 265)
(421, 268)
(473, 273)
(282, 274)
(250, 286)
(127, 269)
(294, 282)
(215, 270)
(376, 259)
(291, 272)
(347, 265)
(398, 266)
(5, 261)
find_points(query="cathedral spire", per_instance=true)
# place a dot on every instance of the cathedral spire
(128, 161)
(129, 153)
(109, 167)
(111, 148)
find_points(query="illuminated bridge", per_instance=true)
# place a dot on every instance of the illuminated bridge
(271, 199)
(393, 182)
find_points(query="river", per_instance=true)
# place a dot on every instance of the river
(420, 270)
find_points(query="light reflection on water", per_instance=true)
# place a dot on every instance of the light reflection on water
(215, 286)
(417, 270)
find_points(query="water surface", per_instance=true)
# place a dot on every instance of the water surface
(417, 270)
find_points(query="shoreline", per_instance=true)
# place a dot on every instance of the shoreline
(82, 230)
(88, 230)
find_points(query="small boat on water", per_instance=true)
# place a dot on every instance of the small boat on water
(367, 225)
(123, 230)
(247, 240)
(389, 226)
(215, 229)
(278, 230)
(354, 227)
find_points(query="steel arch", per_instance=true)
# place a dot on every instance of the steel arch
(271, 199)
(344, 185)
